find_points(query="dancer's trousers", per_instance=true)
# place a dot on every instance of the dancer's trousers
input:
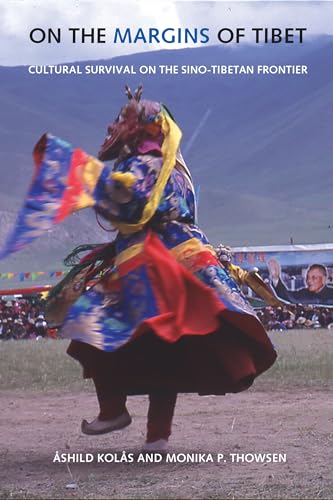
(160, 412)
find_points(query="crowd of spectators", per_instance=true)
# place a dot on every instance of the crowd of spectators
(296, 316)
(23, 318)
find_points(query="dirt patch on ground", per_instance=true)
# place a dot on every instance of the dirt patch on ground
(299, 424)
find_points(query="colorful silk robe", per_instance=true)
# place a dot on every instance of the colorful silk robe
(133, 296)
(166, 277)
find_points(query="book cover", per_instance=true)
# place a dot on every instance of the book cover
(250, 86)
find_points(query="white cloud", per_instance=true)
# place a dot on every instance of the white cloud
(19, 17)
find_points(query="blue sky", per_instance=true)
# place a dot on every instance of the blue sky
(19, 17)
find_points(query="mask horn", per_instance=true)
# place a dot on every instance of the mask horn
(128, 92)
(138, 93)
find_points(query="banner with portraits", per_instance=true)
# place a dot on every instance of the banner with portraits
(298, 274)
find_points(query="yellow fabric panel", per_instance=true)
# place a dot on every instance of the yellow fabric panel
(190, 247)
(127, 179)
(238, 274)
(128, 253)
(91, 172)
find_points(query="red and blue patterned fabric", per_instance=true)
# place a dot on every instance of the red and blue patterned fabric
(63, 182)
(166, 277)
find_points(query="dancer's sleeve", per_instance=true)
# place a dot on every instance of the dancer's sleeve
(64, 181)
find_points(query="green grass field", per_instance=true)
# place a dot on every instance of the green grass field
(38, 365)
(304, 360)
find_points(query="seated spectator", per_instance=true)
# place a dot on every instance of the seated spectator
(18, 330)
(41, 326)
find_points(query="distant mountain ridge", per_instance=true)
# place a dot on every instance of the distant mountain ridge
(259, 148)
